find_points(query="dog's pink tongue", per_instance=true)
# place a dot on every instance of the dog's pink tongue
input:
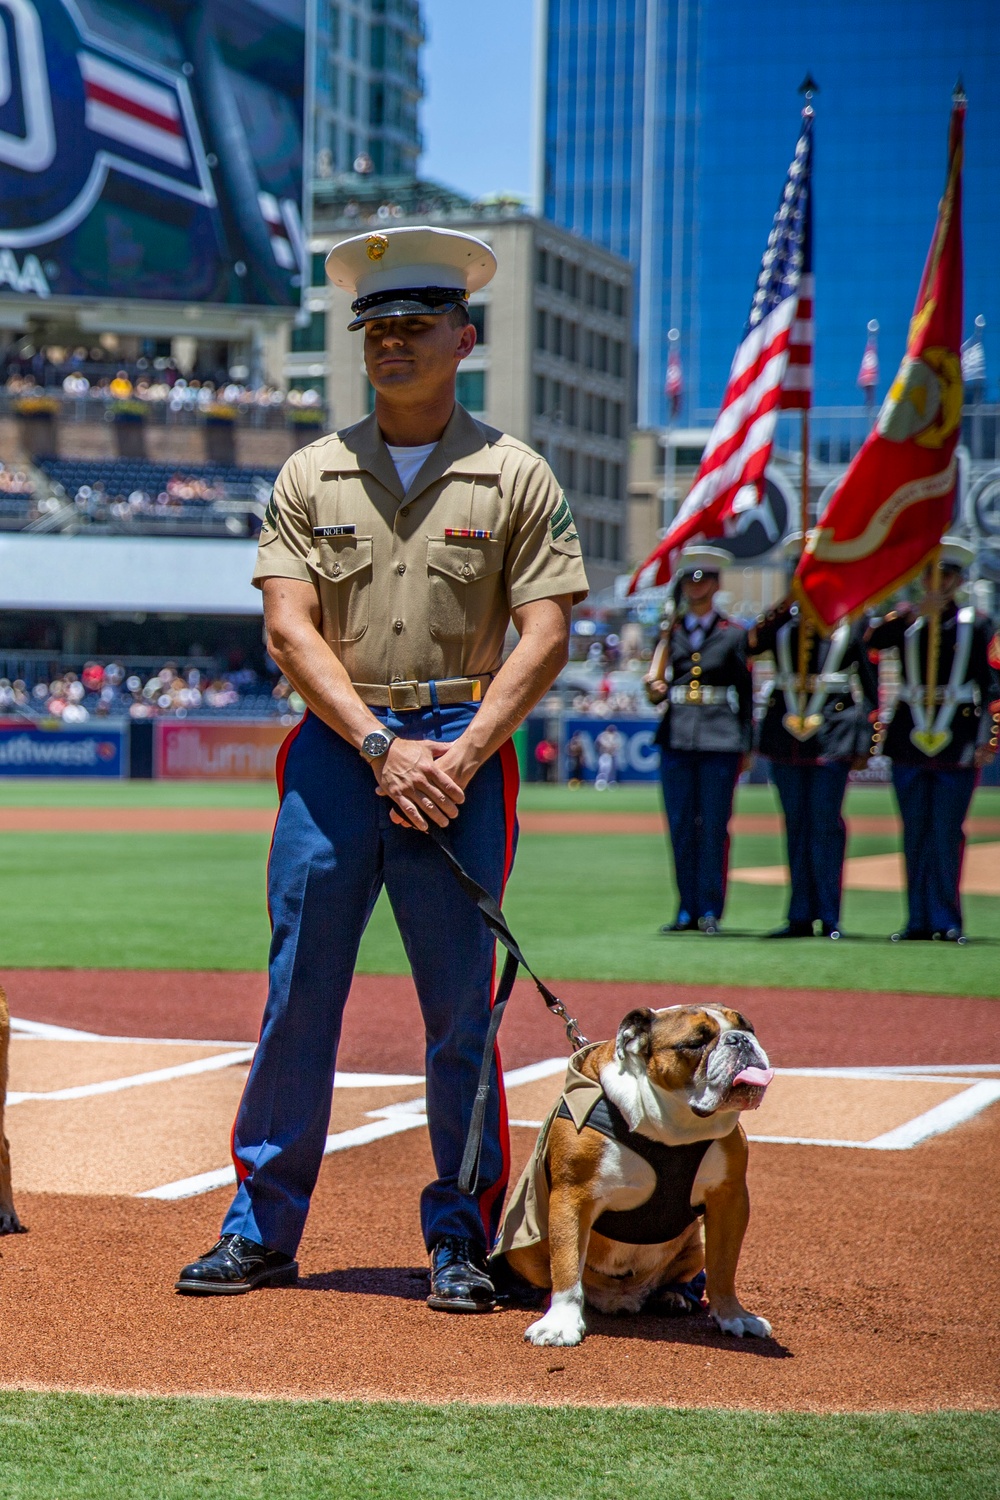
(760, 1077)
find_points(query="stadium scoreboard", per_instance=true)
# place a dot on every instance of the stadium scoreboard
(153, 152)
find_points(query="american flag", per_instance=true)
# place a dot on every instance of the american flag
(730, 479)
(797, 386)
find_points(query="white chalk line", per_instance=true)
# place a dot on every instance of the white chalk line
(410, 1114)
(139, 1080)
(389, 1120)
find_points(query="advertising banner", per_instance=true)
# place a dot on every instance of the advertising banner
(30, 750)
(215, 751)
(152, 151)
(638, 758)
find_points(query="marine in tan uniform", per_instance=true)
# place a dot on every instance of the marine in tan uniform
(393, 556)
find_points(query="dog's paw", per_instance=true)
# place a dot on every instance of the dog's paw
(10, 1223)
(669, 1304)
(560, 1328)
(743, 1323)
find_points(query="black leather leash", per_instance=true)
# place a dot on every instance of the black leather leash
(497, 924)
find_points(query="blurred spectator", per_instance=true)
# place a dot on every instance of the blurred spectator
(608, 746)
(575, 753)
(546, 757)
(109, 691)
(15, 480)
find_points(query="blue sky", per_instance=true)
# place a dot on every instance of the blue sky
(478, 113)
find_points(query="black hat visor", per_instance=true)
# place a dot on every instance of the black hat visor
(406, 302)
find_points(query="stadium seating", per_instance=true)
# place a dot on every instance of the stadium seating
(17, 497)
(144, 497)
(122, 476)
(116, 690)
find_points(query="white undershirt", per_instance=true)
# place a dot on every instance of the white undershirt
(409, 461)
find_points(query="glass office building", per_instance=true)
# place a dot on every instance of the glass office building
(668, 127)
(368, 87)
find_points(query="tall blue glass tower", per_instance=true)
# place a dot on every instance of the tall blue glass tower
(668, 126)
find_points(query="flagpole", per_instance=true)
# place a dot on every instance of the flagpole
(958, 97)
(805, 625)
(808, 88)
(933, 642)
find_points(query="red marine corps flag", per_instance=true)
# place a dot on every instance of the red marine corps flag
(772, 368)
(885, 519)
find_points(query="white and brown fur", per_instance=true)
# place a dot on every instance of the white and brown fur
(9, 1222)
(670, 1073)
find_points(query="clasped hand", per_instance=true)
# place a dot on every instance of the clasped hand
(425, 779)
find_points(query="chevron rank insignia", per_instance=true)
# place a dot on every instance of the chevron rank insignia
(561, 522)
(270, 522)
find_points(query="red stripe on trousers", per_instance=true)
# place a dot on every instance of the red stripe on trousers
(279, 776)
(511, 785)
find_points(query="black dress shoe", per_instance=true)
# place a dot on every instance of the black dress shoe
(679, 926)
(792, 930)
(911, 935)
(459, 1282)
(830, 931)
(709, 926)
(236, 1265)
(952, 935)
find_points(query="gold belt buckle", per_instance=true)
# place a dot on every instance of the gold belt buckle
(404, 696)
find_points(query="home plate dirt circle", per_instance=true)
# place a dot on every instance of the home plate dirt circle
(867, 1257)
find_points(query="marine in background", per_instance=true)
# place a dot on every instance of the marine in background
(938, 741)
(699, 672)
(816, 726)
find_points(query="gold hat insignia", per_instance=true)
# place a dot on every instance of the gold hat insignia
(377, 245)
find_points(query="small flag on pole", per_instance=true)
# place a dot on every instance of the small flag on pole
(730, 479)
(675, 379)
(887, 515)
(868, 374)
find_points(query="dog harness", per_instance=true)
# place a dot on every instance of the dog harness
(667, 1212)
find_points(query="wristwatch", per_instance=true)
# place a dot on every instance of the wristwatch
(376, 744)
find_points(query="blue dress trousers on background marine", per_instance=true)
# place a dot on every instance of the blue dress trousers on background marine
(932, 753)
(703, 736)
(813, 728)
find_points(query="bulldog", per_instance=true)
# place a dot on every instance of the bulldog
(638, 1180)
(9, 1222)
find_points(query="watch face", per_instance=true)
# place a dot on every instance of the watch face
(374, 745)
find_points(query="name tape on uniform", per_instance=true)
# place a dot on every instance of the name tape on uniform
(463, 534)
(334, 530)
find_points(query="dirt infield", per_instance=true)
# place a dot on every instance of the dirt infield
(261, 820)
(875, 1266)
(807, 1028)
(886, 872)
(874, 1269)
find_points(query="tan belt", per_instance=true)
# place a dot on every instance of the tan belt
(401, 697)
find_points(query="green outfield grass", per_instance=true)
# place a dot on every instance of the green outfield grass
(534, 797)
(95, 1448)
(583, 906)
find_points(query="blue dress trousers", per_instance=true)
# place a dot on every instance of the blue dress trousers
(334, 848)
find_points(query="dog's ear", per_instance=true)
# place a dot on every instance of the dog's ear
(634, 1034)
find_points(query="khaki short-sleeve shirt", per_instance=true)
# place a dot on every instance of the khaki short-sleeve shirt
(406, 592)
